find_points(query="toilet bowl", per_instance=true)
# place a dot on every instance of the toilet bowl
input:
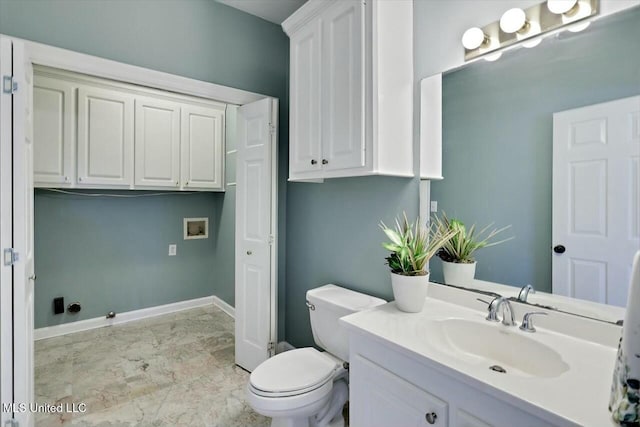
(306, 387)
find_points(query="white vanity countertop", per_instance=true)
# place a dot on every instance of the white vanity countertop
(579, 396)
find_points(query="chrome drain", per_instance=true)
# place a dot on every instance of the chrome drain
(498, 368)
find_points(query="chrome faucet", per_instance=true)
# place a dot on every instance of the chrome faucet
(508, 318)
(524, 293)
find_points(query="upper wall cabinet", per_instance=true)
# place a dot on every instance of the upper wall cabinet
(95, 133)
(351, 89)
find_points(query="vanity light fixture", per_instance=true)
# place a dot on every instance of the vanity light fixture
(527, 27)
(493, 56)
(514, 21)
(473, 38)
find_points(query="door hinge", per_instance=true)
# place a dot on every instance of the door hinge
(12, 423)
(272, 239)
(10, 256)
(9, 85)
(272, 129)
(271, 347)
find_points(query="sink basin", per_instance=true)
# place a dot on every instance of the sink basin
(491, 344)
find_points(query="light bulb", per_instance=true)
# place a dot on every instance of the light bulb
(493, 56)
(473, 38)
(560, 7)
(513, 20)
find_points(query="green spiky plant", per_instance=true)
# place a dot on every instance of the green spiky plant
(412, 245)
(465, 242)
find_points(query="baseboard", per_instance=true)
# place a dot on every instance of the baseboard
(227, 308)
(283, 346)
(129, 316)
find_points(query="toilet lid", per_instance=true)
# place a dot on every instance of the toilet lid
(292, 371)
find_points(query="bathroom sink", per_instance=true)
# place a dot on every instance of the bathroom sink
(506, 350)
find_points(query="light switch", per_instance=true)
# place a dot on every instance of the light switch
(434, 206)
(173, 249)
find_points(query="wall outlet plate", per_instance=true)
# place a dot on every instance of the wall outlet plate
(173, 249)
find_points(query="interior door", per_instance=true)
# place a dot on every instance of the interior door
(23, 269)
(596, 200)
(255, 290)
(6, 229)
(343, 86)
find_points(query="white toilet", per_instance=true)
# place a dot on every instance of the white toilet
(306, 387)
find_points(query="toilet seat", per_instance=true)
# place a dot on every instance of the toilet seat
(293, 373)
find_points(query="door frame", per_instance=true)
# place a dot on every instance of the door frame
(50, 56)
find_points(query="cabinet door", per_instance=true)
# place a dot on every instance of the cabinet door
(379, 398)
(343, 86)
(105, 137)
(202, 147)
(305, 150)
(157, 143)
(53, 143)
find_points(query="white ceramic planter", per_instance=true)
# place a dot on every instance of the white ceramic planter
(410, 291)
(460, 274)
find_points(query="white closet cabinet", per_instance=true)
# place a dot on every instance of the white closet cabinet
(202, 147)
(105, 137)
(97, 133)
(54, 119)
(351, 89)
(157, 143)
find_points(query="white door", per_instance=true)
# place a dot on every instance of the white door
(53, 132)
(305, 153)
(343, 86)
(23, 269)
(202, 147)
(105, 137)
(596, 200)
(157, 143)
(6, 231)
(255, 234)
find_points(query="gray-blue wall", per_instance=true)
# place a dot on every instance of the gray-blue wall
(497, 137)
(201, 39)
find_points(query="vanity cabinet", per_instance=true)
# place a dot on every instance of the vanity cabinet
(351, 89)
(96, 133)
(387, 388)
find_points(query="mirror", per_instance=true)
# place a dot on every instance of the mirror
(498, 165)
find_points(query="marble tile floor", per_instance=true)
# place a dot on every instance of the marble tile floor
(173, 370)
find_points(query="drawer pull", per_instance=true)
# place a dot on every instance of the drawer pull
(313, 161)
(325, 161)
(431, 417)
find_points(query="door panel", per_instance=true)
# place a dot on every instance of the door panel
(23, 270)
(157, 143)
(596, 200)
(254, 235)
(305, 151)
(202, 147)
(105, 137)
(343, 102)
(53, 139)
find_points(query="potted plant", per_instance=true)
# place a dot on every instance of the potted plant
(411, 246)
(458, 263)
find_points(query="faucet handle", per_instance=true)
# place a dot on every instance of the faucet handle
(527, 321)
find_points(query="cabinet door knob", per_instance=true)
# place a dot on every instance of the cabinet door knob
(66, 179)
(177, 183)
(249, 252)
(431, 417)
(313, 161)
(325, 161)
(79, 178)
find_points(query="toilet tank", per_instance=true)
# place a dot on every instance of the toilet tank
(327, 304)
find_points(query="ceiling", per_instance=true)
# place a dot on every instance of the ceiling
(275, 11)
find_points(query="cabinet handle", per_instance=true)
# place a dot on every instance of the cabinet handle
(249, 252)
(66, 179)
(313, 161)
(431, 417)
(79, 178)
(325, 161)
(177, 183)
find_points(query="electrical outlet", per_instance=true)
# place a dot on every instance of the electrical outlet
(173, 249)
(434, 206)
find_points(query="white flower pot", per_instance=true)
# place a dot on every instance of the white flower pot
(457, 273)
(410, 291)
